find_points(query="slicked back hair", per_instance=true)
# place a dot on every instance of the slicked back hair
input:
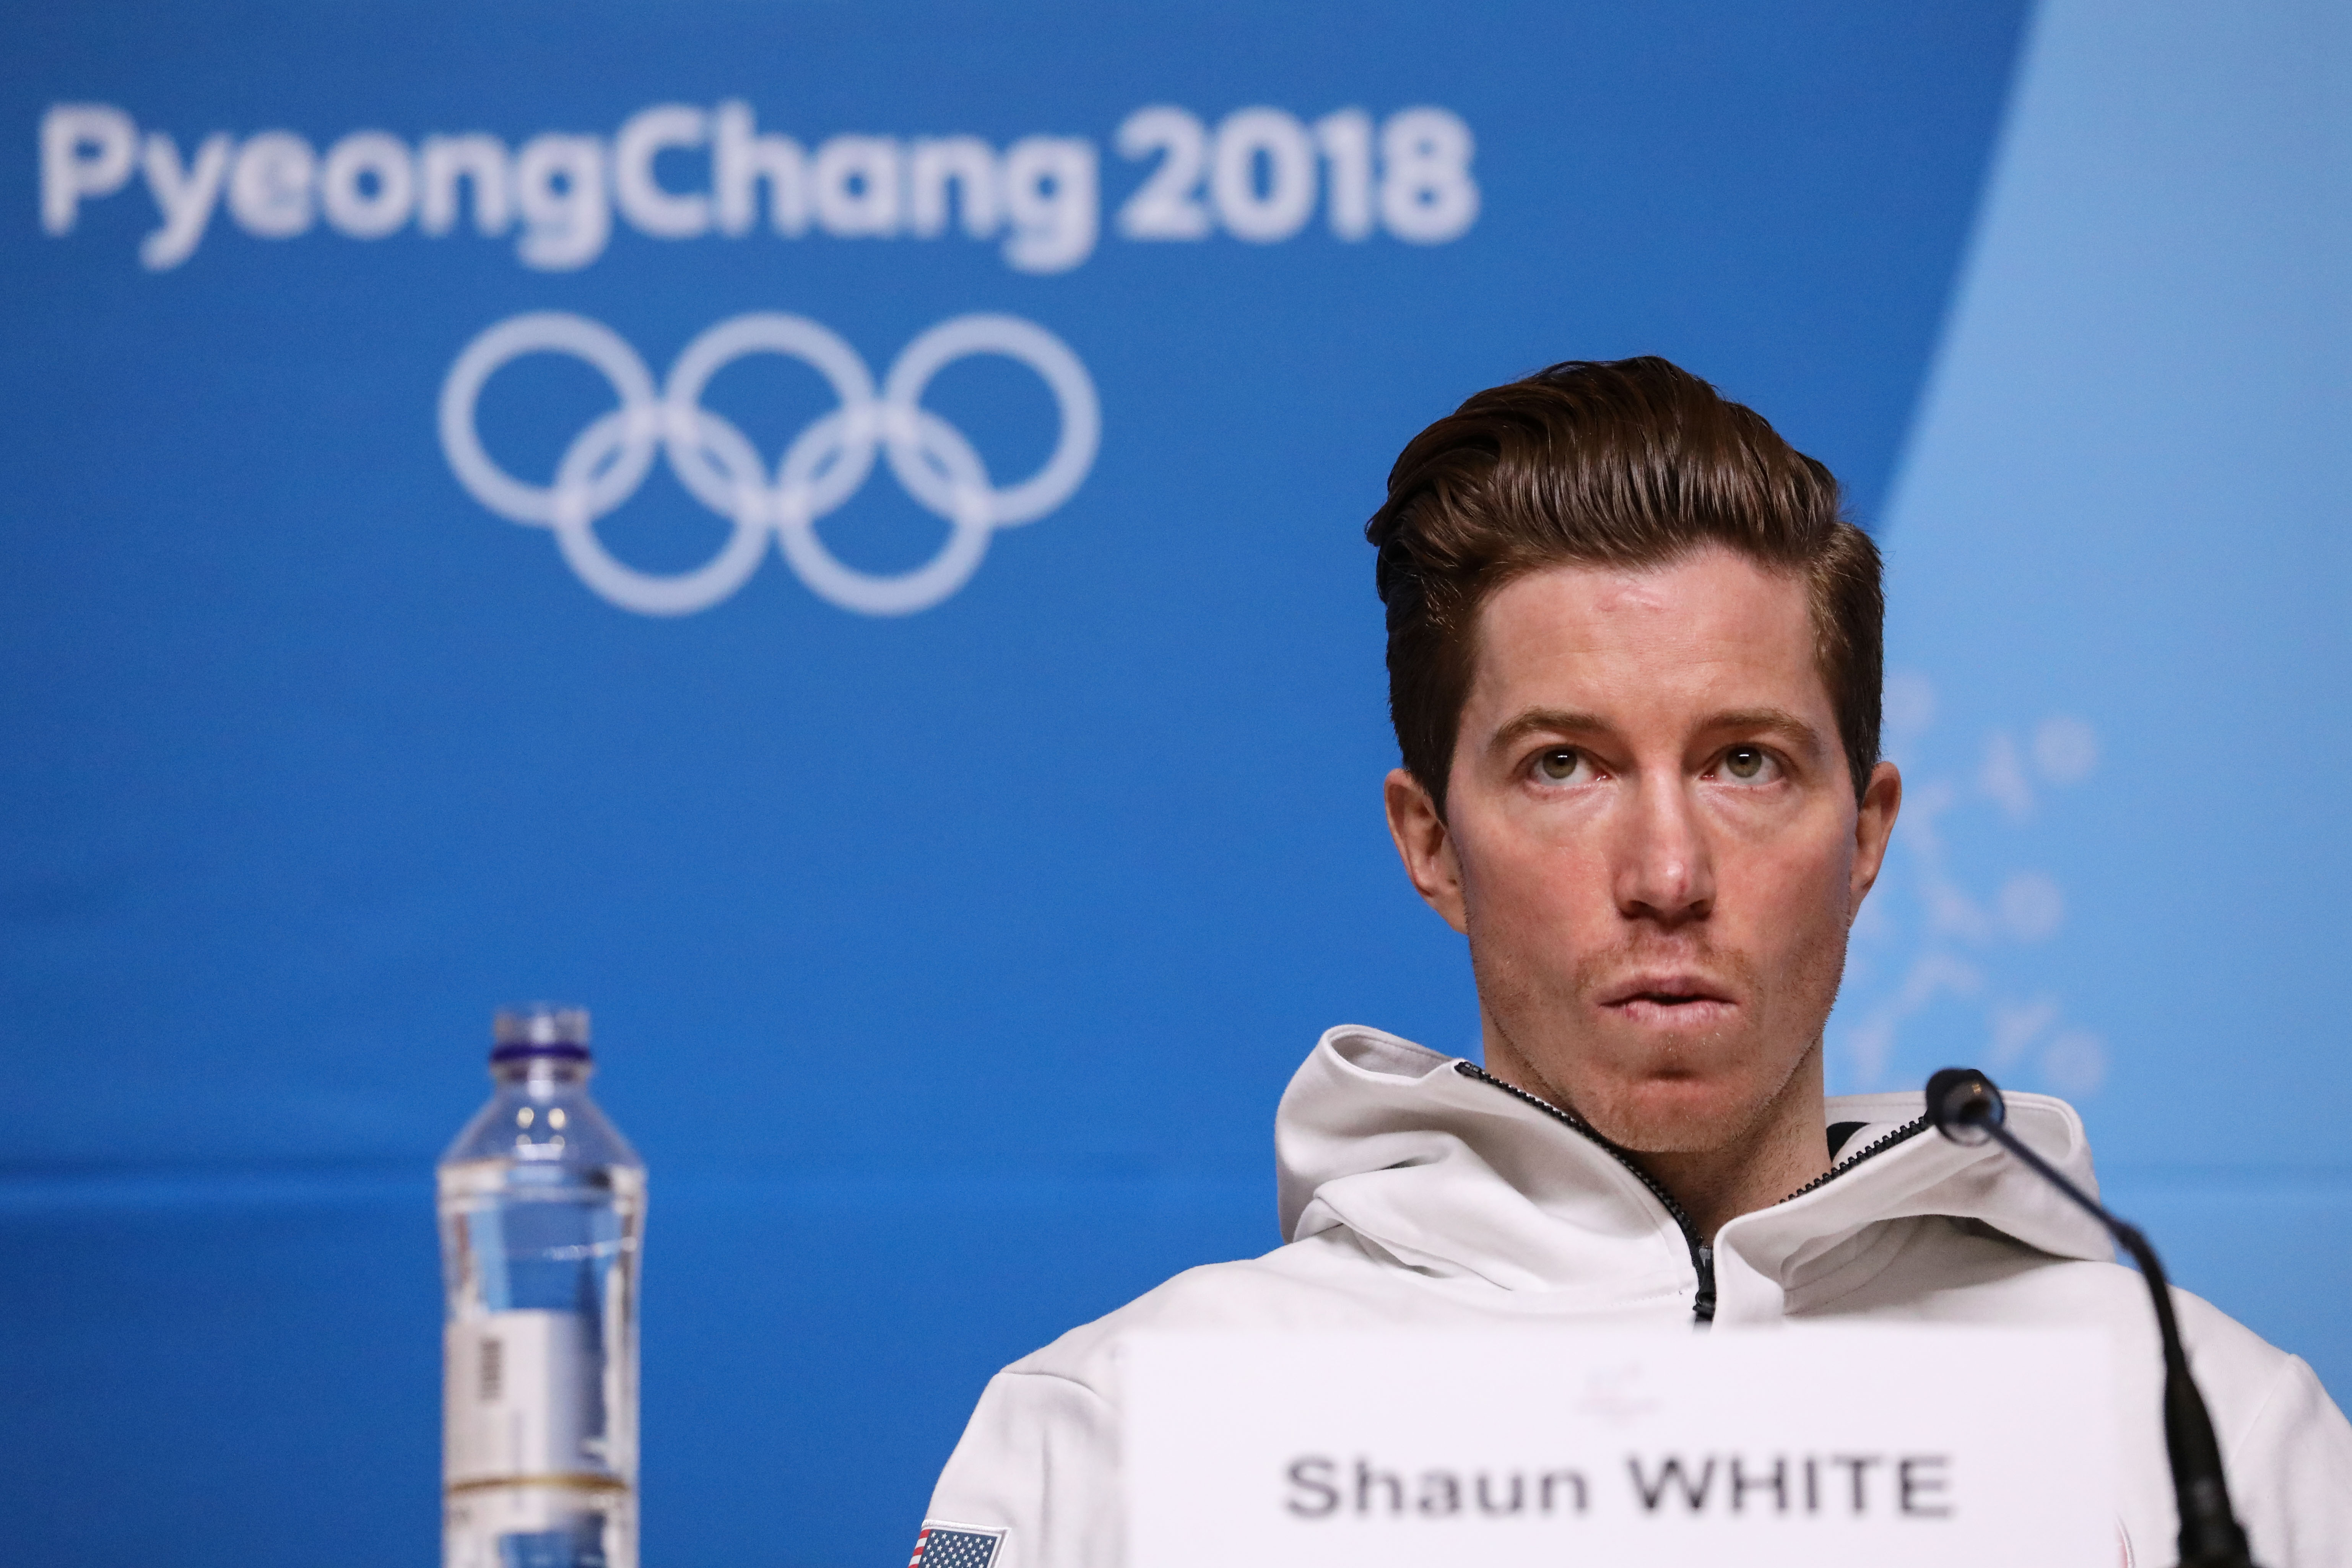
(1626, 463)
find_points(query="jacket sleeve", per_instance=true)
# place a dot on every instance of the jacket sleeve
(1039, 1460)
(2290, 1475)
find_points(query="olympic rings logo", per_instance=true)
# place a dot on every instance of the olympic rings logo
(822, 468)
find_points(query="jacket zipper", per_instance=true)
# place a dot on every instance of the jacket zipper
(1702, 1254)
(1902, 1134)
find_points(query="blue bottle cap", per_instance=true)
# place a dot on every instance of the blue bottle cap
(540, 1029)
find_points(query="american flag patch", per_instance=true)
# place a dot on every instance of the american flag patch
(954, 1546)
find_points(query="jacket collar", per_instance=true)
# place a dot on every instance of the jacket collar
(1454, 1177)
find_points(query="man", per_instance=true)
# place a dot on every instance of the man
(1635, 671)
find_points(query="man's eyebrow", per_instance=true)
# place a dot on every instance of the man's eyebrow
(1779, 721)
(1546, 721)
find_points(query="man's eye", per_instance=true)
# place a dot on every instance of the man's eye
(1559, 764)
(1747, 764)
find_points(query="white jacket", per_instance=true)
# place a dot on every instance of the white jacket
(1416, 1191)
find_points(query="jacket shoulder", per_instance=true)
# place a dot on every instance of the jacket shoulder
(1325, 1280)
(1039, 1459)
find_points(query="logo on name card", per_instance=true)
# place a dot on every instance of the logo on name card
(818, 473)
(1616, 1395)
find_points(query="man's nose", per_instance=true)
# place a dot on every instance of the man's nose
(1665, 871)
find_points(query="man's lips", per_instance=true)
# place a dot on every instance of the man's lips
(1669, 997)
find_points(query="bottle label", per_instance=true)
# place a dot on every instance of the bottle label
(522, 1398)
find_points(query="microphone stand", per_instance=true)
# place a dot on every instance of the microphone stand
(1968, 1109)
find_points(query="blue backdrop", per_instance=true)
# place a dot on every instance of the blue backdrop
(958, 865)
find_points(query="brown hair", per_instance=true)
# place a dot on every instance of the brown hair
(1623, 463)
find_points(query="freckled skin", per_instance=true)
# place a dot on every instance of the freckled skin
(1652, 843)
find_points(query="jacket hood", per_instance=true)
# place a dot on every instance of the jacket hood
(1453, 1176)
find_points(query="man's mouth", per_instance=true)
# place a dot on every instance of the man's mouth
(1669, 998)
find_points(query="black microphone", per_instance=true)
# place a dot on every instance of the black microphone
(1967, 1108)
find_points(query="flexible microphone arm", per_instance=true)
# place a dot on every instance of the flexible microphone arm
(1968, 1109)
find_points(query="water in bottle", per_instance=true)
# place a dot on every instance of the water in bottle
(542, 1204)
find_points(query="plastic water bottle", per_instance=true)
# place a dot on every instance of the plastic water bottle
(542, 1205)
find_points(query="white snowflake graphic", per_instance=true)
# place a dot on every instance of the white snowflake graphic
(1926, 943)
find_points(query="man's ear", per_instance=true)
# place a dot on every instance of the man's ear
(1882, 798)
(1425, 847)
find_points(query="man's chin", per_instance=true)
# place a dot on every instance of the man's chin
(1683, 1113)
(1652, 1088)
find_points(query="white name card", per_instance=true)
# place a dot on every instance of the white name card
(1804, 1447)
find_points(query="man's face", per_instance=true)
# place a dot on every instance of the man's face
(1652, 843)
